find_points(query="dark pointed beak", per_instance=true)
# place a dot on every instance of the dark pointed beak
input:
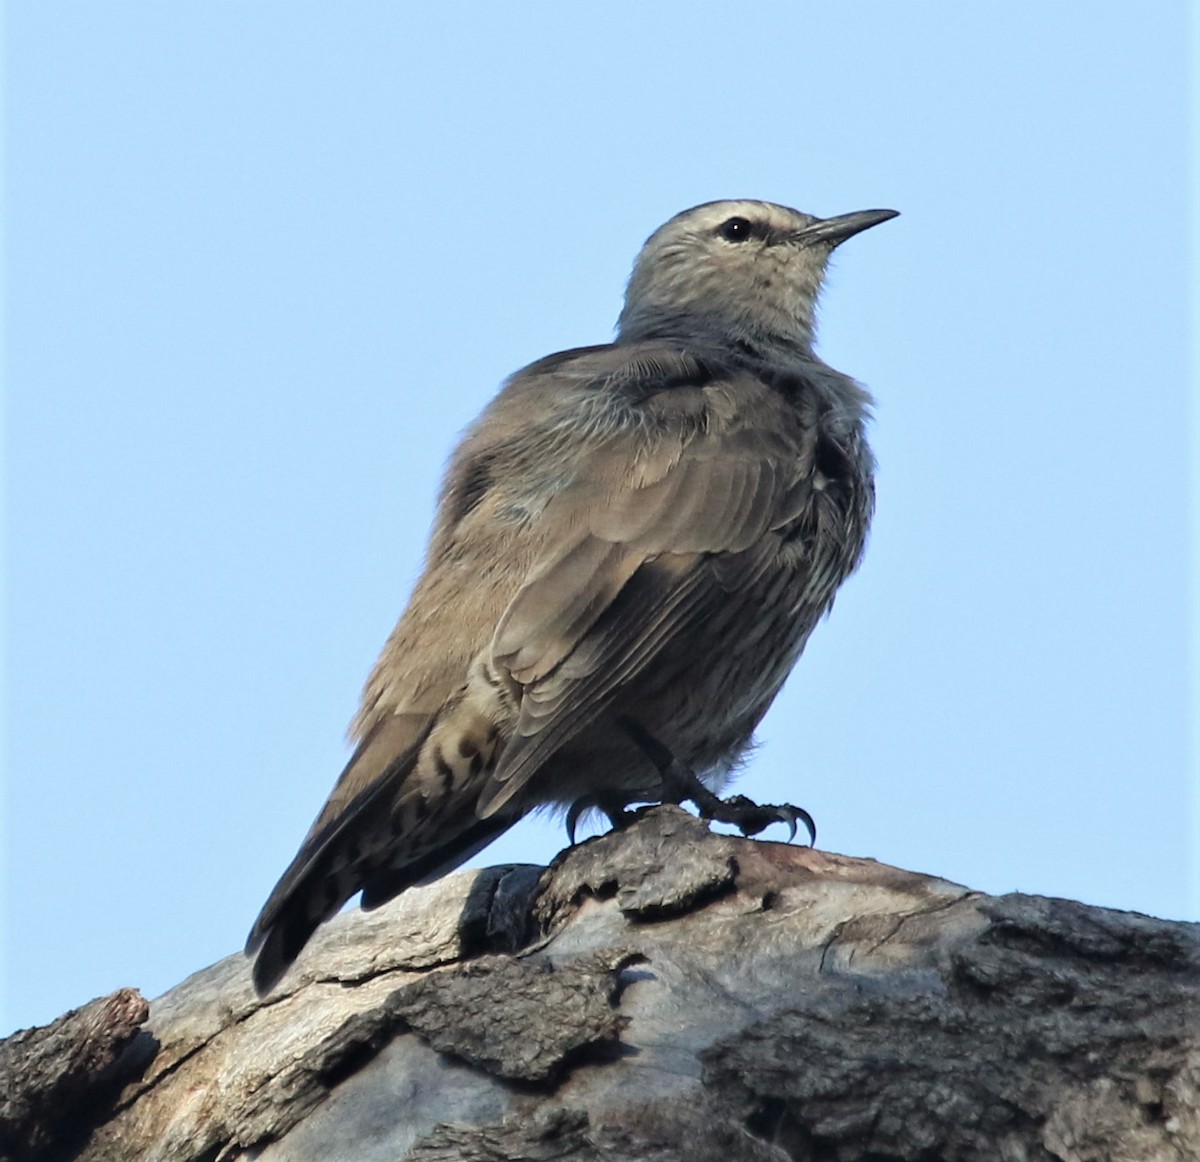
(834, 231)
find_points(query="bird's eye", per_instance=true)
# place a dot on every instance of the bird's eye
(735, 230)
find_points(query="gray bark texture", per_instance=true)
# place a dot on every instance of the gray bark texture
(658, 993)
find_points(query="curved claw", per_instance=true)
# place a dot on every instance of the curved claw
(573, 813)
(610, 806)
(798, 814)
(791, 815)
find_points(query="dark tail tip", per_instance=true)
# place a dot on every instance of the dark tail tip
(278, 948)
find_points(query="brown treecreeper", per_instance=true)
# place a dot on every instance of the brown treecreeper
(633, 543)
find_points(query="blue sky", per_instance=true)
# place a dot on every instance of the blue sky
(264, 261)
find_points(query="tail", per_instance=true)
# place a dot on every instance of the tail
(378, 834)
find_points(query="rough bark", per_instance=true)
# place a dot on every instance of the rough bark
(55, 1080)
(677, 994)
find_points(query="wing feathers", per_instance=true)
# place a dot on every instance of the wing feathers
(650, 610)
(654, 526)
(558, 605)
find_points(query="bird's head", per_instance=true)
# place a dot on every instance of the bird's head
(735, 271)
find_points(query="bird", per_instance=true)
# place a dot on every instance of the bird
(631, 547)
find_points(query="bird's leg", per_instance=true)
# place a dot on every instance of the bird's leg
(679, 782)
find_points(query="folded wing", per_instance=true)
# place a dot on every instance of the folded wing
(660, 524)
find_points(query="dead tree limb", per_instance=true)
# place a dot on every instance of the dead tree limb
(659, 993)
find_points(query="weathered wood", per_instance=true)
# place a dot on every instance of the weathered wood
(678, 995)
(59, 1080)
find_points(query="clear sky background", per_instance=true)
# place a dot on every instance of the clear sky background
(264, 261)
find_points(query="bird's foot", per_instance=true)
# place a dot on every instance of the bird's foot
(751, 817)
(680, 783)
